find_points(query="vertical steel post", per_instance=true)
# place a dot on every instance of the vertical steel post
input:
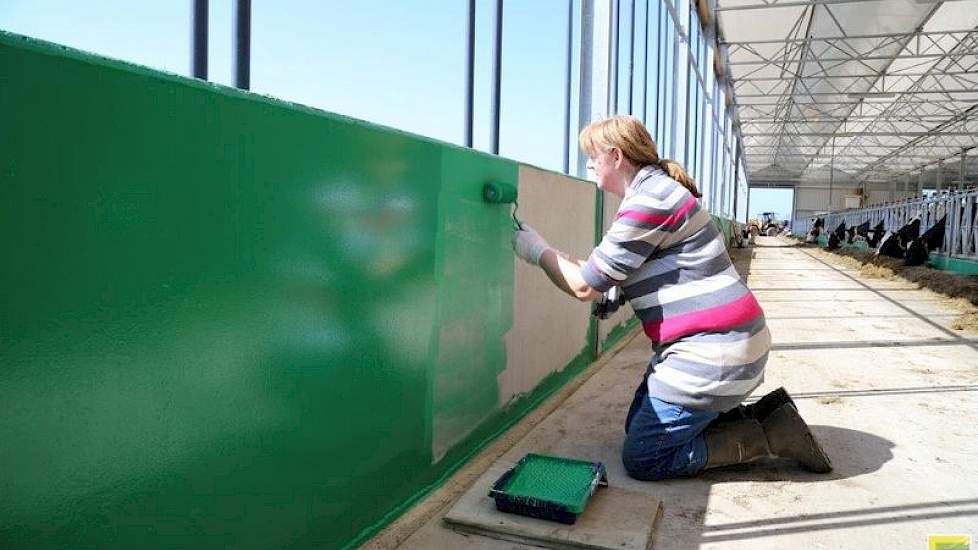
(736, 184)
(613, 61)
(645, 73)
(631, 62)
(497, 71)
(831, 173)
(469, 75)
(939, 185)
(747, 206)
(952, 210)
(198, 42)
(567, 88)
(585, 74)
(964, 156)
(242, 44)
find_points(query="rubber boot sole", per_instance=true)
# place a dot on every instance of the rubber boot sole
(789, 437)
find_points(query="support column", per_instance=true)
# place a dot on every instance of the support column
(242, 44)
(831, 174)
(613, 61)
(497, 69)
(198, 45)
(964, 157)
(567, 89)
(467, 132)
(584, 96)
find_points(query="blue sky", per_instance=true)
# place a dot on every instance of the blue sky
(395, 63)
(771, 200)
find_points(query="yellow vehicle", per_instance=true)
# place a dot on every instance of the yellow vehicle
(769, 224)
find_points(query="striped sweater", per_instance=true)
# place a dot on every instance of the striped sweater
(708, 331)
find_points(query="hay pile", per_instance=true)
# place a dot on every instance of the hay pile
(967, 321)
(952, 285)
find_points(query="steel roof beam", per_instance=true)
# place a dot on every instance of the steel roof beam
(852, 76)
(833, 120)
(857, 58)
(785, 4)
(896, 36)
(802, 58)
(861, 134)
(938, 130)
(911, 92)
(911, 46)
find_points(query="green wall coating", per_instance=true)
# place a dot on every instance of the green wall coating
(474, 260)
(618, 333)
(723, 225)
(228, 321)
(963, 266)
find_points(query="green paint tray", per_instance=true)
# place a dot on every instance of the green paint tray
(548, 487)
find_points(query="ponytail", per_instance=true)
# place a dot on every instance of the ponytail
(677, 173)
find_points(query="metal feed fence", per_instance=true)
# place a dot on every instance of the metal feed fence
(960, 206)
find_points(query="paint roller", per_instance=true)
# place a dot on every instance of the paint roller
(502, 193)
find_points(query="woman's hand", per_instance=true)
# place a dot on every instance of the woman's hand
(529, 245)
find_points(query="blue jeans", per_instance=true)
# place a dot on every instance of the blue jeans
(662, 439)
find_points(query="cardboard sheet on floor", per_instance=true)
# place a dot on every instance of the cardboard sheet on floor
(614, 518)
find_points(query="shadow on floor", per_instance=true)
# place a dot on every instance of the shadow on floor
(853, 453)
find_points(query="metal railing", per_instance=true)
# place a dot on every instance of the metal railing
(960, 207)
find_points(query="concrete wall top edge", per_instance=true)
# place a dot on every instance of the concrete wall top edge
(14, 40)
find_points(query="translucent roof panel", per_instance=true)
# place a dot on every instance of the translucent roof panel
(879, 86)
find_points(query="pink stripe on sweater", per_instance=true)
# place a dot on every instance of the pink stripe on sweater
(715, 319)
(657, 219)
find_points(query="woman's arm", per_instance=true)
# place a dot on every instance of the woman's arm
(565, 272)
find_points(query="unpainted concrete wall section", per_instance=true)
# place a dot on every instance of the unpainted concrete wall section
(550, 329)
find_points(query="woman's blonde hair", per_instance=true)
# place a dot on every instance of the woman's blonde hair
(630, 135)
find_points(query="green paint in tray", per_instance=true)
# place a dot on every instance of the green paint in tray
(548, 487)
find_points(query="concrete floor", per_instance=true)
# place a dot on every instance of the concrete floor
(887, 387)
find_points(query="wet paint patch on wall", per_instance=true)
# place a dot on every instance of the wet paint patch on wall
(474, 268)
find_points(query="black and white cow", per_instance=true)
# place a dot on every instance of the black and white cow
(876, 236)
(894, 244)
(815, 231)
(919, 249)
(858, 232)
(835, 239)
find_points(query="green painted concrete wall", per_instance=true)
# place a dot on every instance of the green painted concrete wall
(222, 316)
(724, 226)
